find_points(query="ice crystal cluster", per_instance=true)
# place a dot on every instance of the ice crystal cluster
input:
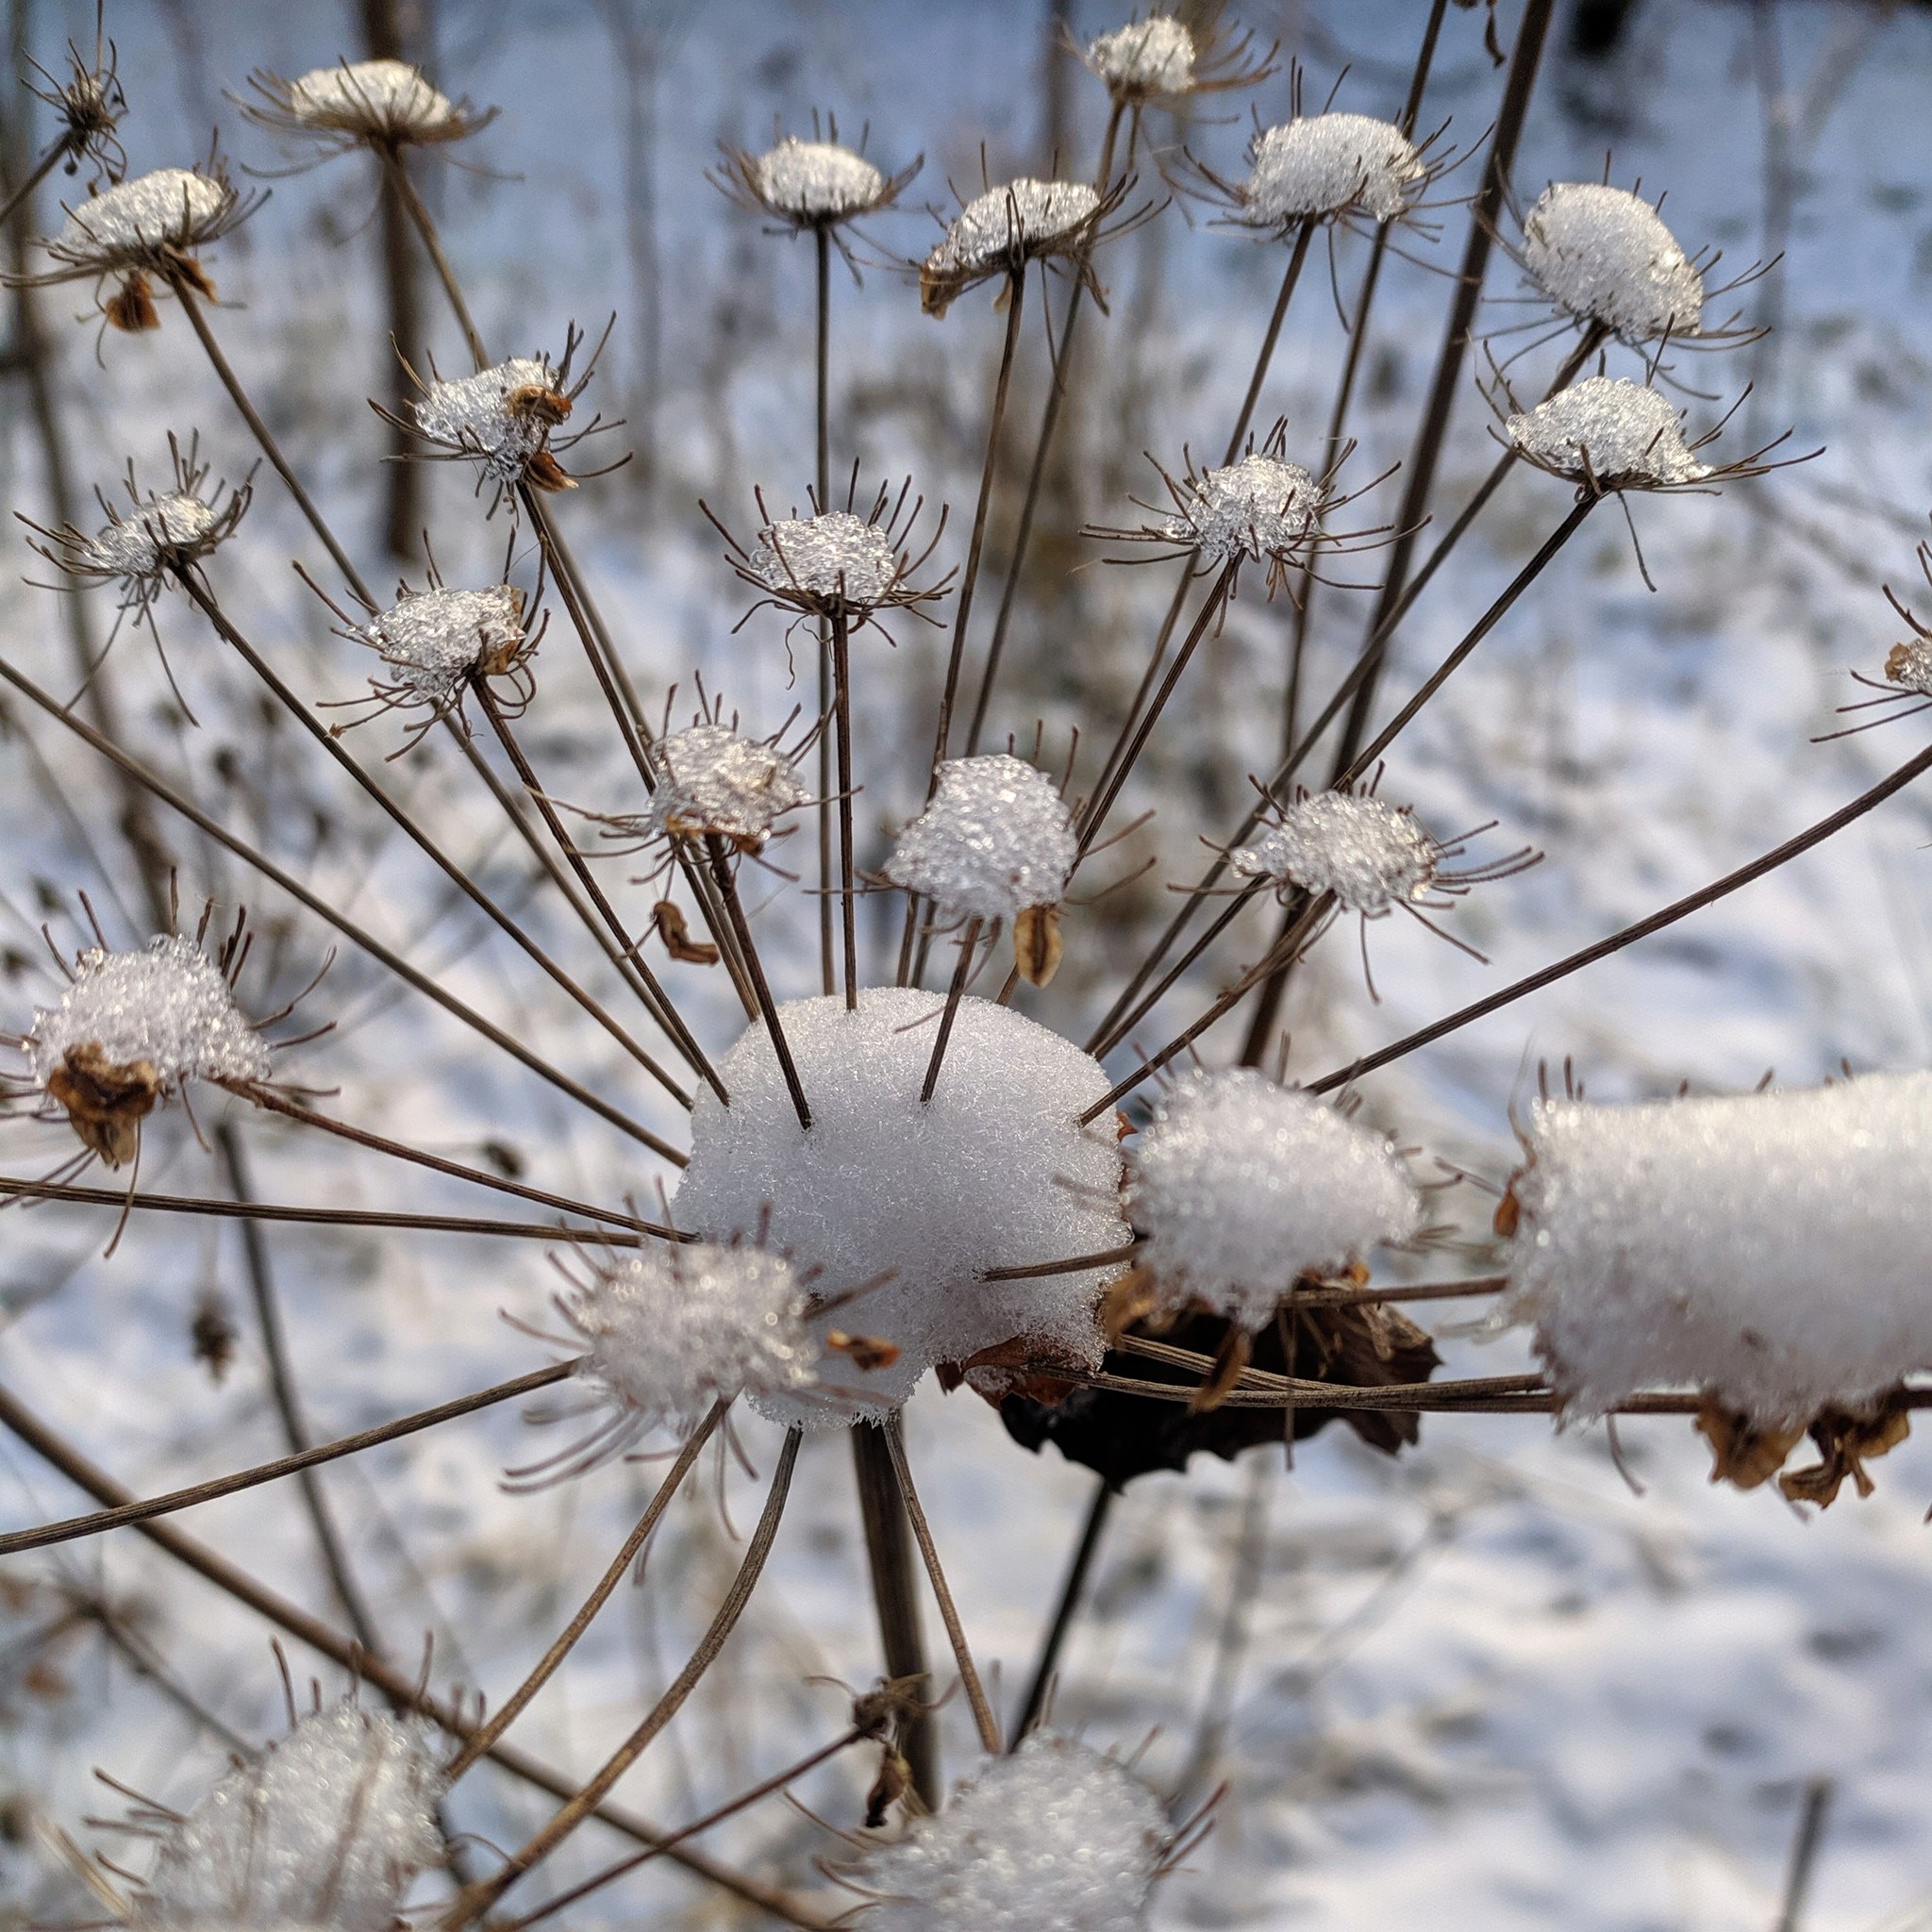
(136, 545)
(1604, 255)
(672, 1330)
(1145, 59)
(909, 1203)
(834, 557)
(996, 839)
(1770, 1248)
(1240, 1185)
(168, 207)
(995, 226)
(327, 1828)
(1054, 1837)
(167, 1004)
(1370, 853)
(817, 180)
(1257, 507)
(1327, 164)
(476, 414)
(352, 96)
(433, 641)
(1609, 431)
(712, 780)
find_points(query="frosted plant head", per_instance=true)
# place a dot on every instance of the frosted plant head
(140, 231)
(386, 104)
(87, 102)
(1002, 232)
(894, 1209)
(1682, 1243)
(996, 843)
(1239, 1187)
(1326, 167)
(438, 645)
(816, 185)
(325, 1828)
(1603, 256)
(132, 1029)
(1052, 1837)
(1908, 680)
(713, 783)
(667, 1333)
(1162, 62)
(1606, 433)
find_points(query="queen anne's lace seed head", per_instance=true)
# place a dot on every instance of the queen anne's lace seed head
(836, 559)
(325, 1829)
(135, 222)
(387, 97)
(1604, 255)
(996, 839)
(1003, 229)
(817, 180)
(1146, 60)
(1240, 1185)
(432, 642)
(138, 548)
(711, 780)
(1054, 1838)
(1609, 433)
(1330, 164)
(501, 416)
(1257, 507)
(1371, 854)
(1909, 666)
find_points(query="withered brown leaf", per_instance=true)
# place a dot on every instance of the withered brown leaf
(675, 933)
(1037, 945)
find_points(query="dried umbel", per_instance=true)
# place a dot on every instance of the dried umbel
(90, 104)
(1908, 680)
(1606, 433)
(996, 840)
(381, 104)
(715, 783)
(1240, 1185)
(1347, 170)
(818, 186)
(1162, 62)
(1005, 230)
(325, 1829)
(1603, 256)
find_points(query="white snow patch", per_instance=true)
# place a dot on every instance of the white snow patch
(817, 180)
(1326, 164)
(135, 546)
(834, 557)
(712, 780)
(1146, 58)
(472, 414)
(1604, 255)
(996, 839)
(168, 207)
(1004, 223)
(1259, 507)
(434, 639)
(1370, 853)
(1611, 430)
(390, 95)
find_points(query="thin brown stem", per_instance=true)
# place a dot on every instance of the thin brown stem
(1066, 1606)
(848, 904)
(962, 973)
(768, 1007)
(889, 1557)
(1290, 277)
(828, 970)
(398, 174)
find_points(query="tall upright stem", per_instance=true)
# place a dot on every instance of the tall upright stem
(888, 1552)
(1290, 277)
(962, 973)
(842, 688)
(1065, 1609)
(781, 1047)
(827, 972)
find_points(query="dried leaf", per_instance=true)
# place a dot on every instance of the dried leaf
(1130, 1299)
(1742, 1453)
(131, 306)
(537, 403)
(1844, 1441)
(893, 1781)
(106, 1102)
(864, 1352)
(676, 934)
(543, 472)
(1037, 947)
(1237, 1349)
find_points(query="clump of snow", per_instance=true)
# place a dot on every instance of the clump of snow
(1604, 255)
(167, 1004)
(1909, 666)
(1054, 1838)
(1146, 58)
(1769, 1249)
(1370, 853)
(817, 180)
(994, 1170)
(325, 1829)
(489, 415)
(170, 208)
(1259, 507)
(837, 558)
(670, 1331)
(174, 524)
(1240, 1185)
(1326, 164)
(389, 97)
(996, 839)
(433, 641)
(1004, 223)
(1610, 432)
(712, 780)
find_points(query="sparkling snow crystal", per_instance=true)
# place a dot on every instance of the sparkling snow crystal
(1326, 164)
(817, 180)
(488, 415)
(1259, 507)
(1602, 254)
(168, 207)
(992, 1171)
(996, 839)
(1611, 430)
(833, 557)
(136, 545)
(432, 642)
(712, 780)
(1146, 58)
(672, 1330)
(167, 1004)
(325, 1828)
(1909, 666)
(1368, 854)
(1240, 1185)
(387, 94)
(1054, 1837)
(1000, 223)
(1769, 1249)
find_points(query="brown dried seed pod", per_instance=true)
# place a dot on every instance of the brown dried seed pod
(106, 1102)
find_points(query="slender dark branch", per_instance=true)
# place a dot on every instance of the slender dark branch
(1047, 1664)
(1810, 1835)
(1290, 277)
(968, 944)
(398, 174)
(827, 971)
(848, 904)
(1033, 1271)
(774, 1029)
(888, 1554)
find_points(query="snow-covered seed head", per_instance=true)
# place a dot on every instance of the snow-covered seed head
(433, 642)
(1002, 230)
(814, 181)
(88, 105)
(712, 782)
(501, 418)
(325, 1828)
(1767, 1249)
(670, 1331)
(1259, 508)
(996, 840)
(823, 564)
(383, 103)
(1605, 256)
(141, 224)
(1909, 666)
(1054, 1838)
(130, 1030)
(1607, 433)
(1368, 854)
(1148, 60)
(901, 1204)
(1323, 167)
(1241, 1186)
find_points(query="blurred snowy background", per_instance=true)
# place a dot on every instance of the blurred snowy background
(1484, 1682)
